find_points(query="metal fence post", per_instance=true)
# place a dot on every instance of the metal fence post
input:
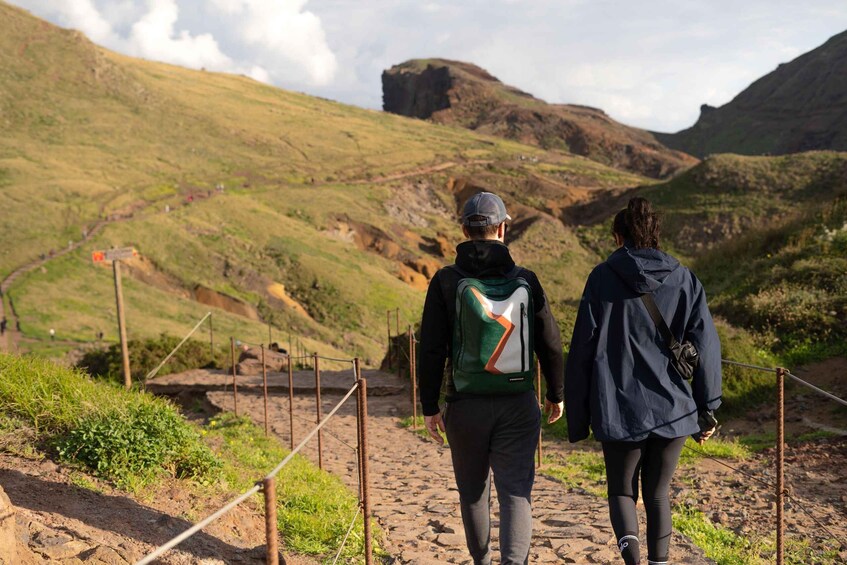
(318, 401)
(234, 388)
(399, 347)
(291, 400)
(272, 549)
(211, 339)
(358, 374)
(388, 326)
(366, 505)
(540, 405)
(780, 466)
(265, 387)
(413, 378)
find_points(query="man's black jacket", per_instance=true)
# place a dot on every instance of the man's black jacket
(482, 259)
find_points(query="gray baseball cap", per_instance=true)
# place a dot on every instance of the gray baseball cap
(485, 204)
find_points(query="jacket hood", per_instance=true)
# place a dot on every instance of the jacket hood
(484, 257)
(643, 270)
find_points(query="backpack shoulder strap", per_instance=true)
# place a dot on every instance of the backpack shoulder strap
(659, 320)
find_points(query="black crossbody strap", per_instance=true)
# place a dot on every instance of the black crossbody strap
(648, 301)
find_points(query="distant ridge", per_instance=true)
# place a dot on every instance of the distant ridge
(458, 93)
(800, 106)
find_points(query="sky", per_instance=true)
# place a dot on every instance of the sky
(647, 63)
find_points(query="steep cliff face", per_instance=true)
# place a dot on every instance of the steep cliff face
(800, 106)
(417, 95)
(456, 93)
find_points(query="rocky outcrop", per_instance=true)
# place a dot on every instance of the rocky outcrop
(456, 93)
(250, 361)
(800, 106)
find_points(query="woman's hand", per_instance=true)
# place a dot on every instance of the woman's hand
(706, 435)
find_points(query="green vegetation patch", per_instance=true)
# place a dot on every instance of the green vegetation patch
(578, 469)
(720, 544)
(715, 447)
(127, 437)
(788, 284)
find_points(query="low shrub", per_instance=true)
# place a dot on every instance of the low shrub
(145, 355)
(128, 437)
(135, 444)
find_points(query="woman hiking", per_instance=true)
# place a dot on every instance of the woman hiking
(642, 330)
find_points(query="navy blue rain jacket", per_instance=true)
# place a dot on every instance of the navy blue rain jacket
(618, 378)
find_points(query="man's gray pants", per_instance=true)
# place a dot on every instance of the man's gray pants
(498, 433)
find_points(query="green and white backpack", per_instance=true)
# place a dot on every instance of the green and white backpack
(493, 335)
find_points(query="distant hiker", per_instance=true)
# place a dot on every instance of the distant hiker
(52, 334)
(3, 326)
(623, 380)
(487, 316)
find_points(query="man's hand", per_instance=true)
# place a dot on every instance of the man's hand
(554, 411)
(433, 426)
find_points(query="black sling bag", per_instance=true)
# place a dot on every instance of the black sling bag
(684, 356)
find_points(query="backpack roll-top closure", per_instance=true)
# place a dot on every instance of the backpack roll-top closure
(492, 340)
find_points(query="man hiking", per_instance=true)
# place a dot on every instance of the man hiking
(487, 316)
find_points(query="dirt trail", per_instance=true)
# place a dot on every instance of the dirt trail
(414, 498)
(421, 171)
(59, 521)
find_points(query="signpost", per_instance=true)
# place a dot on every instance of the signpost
(116, 256)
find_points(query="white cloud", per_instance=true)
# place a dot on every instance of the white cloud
(647, 63)
(281, 28)
(274, 41)
(83, 15)
(154, 37)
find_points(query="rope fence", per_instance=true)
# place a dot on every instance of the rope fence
(153, 372)
(267, 483)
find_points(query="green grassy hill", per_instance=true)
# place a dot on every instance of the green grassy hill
(767, 236)
(799, 106)
(727, 196)
(315, 215)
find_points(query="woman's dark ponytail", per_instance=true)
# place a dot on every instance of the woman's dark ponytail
(638, 224)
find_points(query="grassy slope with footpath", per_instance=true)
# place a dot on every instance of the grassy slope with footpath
(137, 442)
(90, 134)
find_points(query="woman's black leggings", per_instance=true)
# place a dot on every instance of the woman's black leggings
(655, 460)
